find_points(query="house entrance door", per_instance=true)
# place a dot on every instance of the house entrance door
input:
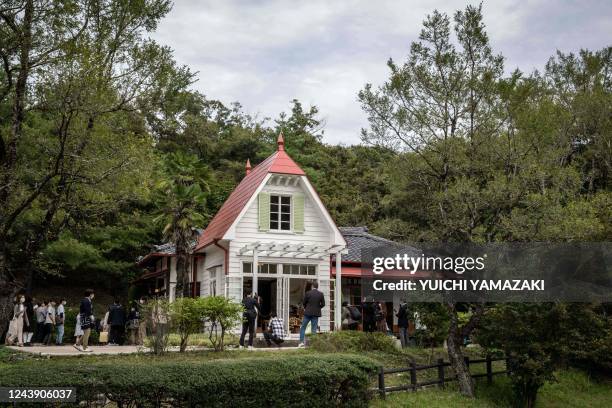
(282, 300)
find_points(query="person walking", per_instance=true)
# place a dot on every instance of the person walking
(78, 332)
(402, 323)
(251, 310)
(60, 318)
(29, 322)
(17, 323)
(314, 301)
(116, 321)
(276, 330)
(87, 319)
(369, 315)
(41, 316)
(49, 323)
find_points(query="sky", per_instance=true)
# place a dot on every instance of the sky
(264, 54)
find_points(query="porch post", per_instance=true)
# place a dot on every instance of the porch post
(255, 269)
(338, 292)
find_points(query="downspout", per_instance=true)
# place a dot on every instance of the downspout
(194, 273)
(216, 242)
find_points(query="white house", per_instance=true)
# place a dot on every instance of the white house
(272, 236)
(273, 219)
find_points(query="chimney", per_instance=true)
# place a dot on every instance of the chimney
(248, 167)
(281, 142)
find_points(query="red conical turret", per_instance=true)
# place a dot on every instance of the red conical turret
(248, 167)
(281, 142)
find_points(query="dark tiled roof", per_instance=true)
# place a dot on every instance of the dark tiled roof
(169, 248)
(358, 239)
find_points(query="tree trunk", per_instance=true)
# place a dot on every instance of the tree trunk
(182, 273)
(455, 353)
(457, 360)
(184, 344)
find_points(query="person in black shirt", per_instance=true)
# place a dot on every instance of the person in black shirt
(402, 323)
(251, 310)
(369, 315)
(87, 319)
(116, 321)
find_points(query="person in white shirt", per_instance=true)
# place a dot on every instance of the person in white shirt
(49, 323)
(60, 317)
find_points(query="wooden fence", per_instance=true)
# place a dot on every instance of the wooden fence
(440, 381)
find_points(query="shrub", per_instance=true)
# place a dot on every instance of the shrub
(297, 381)
(187, 315)
(156, 313)
(352, 341)
(220, 314)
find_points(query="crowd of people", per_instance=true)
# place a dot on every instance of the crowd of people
(372, 315)
(43, 323)
(36, 322)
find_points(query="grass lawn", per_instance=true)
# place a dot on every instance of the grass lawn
(573, 389)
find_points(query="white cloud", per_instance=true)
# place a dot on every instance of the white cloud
(266, 53)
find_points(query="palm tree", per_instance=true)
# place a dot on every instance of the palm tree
(181, 196)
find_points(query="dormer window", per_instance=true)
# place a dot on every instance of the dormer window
(280, 212)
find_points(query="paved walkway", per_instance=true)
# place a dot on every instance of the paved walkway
(69, 350)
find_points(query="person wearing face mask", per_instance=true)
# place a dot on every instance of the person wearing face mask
(19, 316)
(60, 317)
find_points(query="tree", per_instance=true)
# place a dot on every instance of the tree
(72, 74)
(180, 198)
(220, 315)
(442, 106)
(187, 316)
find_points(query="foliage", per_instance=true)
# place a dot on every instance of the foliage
(220, 314)
(352, 341)
(533, 337)
(157, 314)
(327, 380)
(180, 198)
(187, 316)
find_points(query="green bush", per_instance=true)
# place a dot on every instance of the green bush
(352, 341)
(296, 381)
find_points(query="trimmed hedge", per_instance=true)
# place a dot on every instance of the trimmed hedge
(296, 381)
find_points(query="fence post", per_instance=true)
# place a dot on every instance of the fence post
(489, 370)
(413, 375)
(441, 372)
(467, 362)
(381, 382)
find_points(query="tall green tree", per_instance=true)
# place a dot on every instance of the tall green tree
(181, 199)
(441, 107)
(74, 75)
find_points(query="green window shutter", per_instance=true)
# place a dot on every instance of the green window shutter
(264, 211)
(298, 212)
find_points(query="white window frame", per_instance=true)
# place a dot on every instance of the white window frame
(280, 213)
(212, 281)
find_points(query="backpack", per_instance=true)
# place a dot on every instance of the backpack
(355, 313)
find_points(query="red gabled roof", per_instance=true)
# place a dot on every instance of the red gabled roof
(279, 162)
